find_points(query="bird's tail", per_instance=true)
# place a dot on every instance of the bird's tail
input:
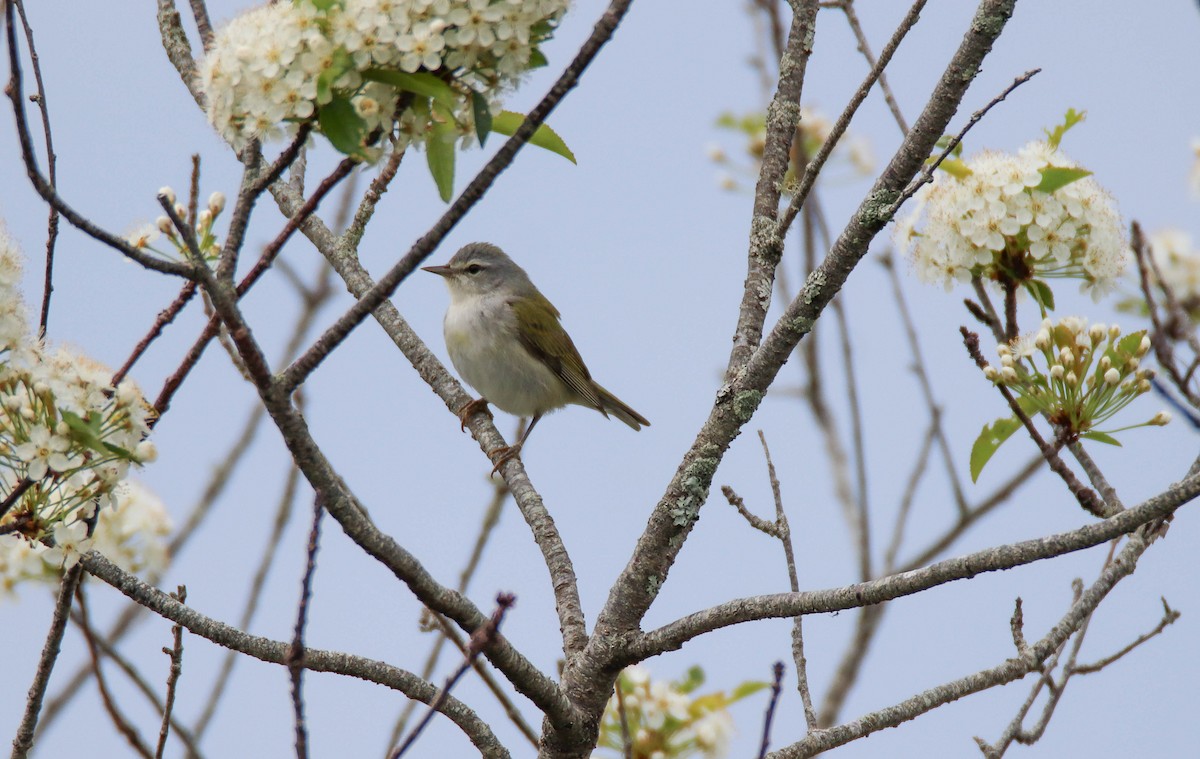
(619, 409)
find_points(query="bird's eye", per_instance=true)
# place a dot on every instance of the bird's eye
(474, 269)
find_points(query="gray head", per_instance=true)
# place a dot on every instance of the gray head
(482, 268)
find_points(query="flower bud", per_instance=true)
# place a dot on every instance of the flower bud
(1006, 360)
(1072, 380)
(1003, 350)
(168, 193)
(1132, 365)
(181, 210)
(990, 373)
(1042, 340)
(204, 220)
(1112, 377)
(145, 452)
(1008, 375)
(216, 203)
(1066, 357)
(1144, 346)
(164, 225)
(1057, 371)
(1143, 386)
(1097, 333)
(1161, 419)
(1114, 332)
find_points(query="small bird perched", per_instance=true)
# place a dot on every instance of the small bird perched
(505, 339)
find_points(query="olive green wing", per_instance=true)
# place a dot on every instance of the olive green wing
(545, 339)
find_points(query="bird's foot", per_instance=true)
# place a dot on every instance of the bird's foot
(503, 455)
(470, 409)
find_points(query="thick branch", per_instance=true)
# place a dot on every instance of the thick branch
(672, 636)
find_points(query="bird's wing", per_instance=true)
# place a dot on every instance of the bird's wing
(545, 339)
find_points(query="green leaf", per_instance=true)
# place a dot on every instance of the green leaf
(321, 5)
(343, 126)
(420, 83)
(340, 64)
(991, 438)
(537, 60)
(747, 688)
(1054, 136)
(944, 142)
(1041, 293)
(1101, 437)
(439, 153)
(1055, 178)
(1126, 348)
(483, 117)
(82, 432)
(508, 122)
(955, 168)
(692, 680)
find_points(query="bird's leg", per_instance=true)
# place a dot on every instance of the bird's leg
(509, 452)
(470, 409)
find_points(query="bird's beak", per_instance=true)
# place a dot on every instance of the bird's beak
(442, 271)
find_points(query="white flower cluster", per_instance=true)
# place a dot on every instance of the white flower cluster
(1089, 374)
(131, 534)
(811, 133)
(13, 322)
(988, 219)
(283, 62)
(144, 236)
(67, 437)
(665, 720)
(1178, 262)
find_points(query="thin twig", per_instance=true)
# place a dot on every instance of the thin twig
(626, 739)
(14, 496)
(283, 513)
(769, 717)
(1086, 497)
(926, 174)
(203, 24)
(181, 732)
(37, 691)
(1170, 617)
(808, 181)
(480, 640)
(488, 679)
(51, 168)
(43, 187)
(864, 48)
(173, 383)
(491, 518)
(295, 657)
(124, 727)
(165, 317)
(176, 655)
(276, 652)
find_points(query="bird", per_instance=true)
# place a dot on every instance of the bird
(505, 339)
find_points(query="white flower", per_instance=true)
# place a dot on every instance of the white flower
(1178, 261)
(43, 451)
(70, 543)
(13, 325)
(131, 532)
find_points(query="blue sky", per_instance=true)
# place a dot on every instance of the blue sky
(645, 257)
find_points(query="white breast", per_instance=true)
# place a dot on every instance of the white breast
(482, 340)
